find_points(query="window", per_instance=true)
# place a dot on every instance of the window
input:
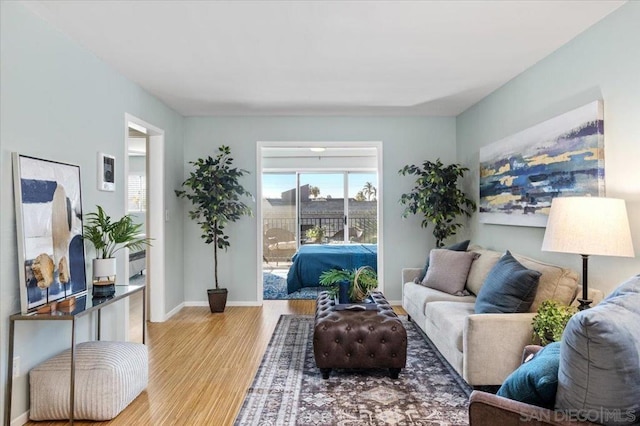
(137, 193)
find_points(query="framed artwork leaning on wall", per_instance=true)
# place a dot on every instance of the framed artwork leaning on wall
(49, 227)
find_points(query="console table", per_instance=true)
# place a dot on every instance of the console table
(84, 305)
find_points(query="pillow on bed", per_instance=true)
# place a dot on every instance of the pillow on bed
(448, 270)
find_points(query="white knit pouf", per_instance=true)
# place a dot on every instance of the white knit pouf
(109, 375)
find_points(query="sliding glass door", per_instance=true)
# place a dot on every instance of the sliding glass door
(311, 208)
(362, 207)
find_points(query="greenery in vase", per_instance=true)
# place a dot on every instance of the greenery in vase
(109, 236)
(550, 321)
(437, 197)
(214, 189)
(367, 281)
(316, 233)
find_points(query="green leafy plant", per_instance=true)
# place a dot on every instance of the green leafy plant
(316, 233)
(550, 321)
(108, 236)
(214, 190)
(362, 281)
(437, 197)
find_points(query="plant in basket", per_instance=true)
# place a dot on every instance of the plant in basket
(352, 285)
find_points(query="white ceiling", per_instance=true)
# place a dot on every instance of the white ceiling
(322, 57)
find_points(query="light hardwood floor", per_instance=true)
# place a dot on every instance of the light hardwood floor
(202, 364)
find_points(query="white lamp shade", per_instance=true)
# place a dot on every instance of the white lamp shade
(588, 225)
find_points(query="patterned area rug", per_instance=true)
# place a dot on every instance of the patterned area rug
(275, 287)
(289, 390)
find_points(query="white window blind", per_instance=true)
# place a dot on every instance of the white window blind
(137, 193)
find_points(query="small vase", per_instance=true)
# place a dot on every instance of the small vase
(104, 271)
(343, 295)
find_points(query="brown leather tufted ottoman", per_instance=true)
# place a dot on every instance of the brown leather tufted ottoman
(358, 339)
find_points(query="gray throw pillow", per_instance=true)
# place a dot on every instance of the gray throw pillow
(509, 288)
(461, 246)
(448, 270)
(599, 374)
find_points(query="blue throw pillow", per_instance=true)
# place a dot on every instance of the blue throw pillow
(461, 246)
(508, 288)
(536, 381)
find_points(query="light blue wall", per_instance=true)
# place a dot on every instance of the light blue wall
(602, 63)
(406, 140)
(60, 102)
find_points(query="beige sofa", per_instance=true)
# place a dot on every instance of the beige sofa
(483, 348)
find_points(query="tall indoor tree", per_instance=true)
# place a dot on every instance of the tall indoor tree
(437, 197)
(215, 191)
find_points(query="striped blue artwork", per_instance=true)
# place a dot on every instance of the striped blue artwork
(521, 174)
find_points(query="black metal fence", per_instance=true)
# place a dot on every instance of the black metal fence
(361, 230)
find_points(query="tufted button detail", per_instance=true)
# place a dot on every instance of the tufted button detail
(359, 340)
(337, 340)
(393, 355)
(349, 354)
(349, 328)
(393, 328)
(382, 341)
(370, 328)
(371, 355)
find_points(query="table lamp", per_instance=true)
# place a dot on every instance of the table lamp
(588, 226)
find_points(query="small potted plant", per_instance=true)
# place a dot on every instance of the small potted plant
(214, 189)
(437, 197)
(351, 285)
(108, 237)
(315, 234)
(550, 321)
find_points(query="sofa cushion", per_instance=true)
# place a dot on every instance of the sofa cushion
(448, 318)
(461, 246)
(556, 282)
(448, 270)
(480, 268)
(536, 381)
(509, 288)
(416, 294)
(599, 375)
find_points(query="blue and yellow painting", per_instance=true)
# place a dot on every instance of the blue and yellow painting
(521, 174)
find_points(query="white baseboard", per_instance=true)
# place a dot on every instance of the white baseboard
(174, 311)
(250, 303)
(21, 419)
(195, 303)
(240, 303)
(395, 302)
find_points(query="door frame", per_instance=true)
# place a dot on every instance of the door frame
(155, 217)
(304, 144)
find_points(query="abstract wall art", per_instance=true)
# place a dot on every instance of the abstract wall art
(521, 174)
(49, 227)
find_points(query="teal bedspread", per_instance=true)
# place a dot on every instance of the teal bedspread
(311, 260)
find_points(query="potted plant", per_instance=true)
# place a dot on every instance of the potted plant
(214, 190)
(437, 197)
(357, 284)
(315, 234)
(550, 321)
(108, 237)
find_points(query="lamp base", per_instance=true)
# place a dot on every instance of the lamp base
(584, 304)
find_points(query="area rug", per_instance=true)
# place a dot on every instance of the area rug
(274, 286)
(288, 389)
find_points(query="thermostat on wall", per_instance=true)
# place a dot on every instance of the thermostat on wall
(106, 172)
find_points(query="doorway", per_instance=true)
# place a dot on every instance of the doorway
(148, 172)
(314, 195)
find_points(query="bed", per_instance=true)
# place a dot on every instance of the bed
(137, 262)
(311, 260)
